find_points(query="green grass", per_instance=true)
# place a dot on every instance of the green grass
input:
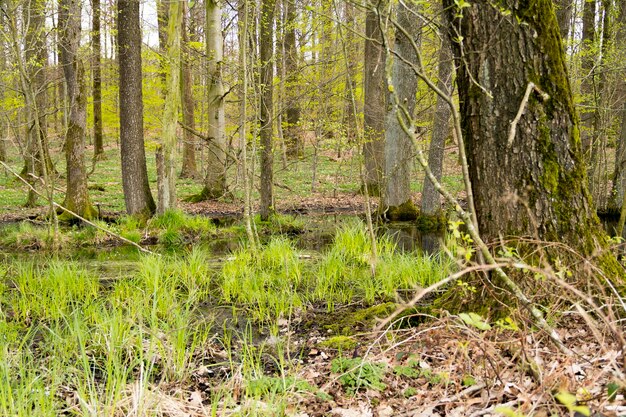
(70, 340)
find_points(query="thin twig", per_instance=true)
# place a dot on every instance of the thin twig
(522, 107)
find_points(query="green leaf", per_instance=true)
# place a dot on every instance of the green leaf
(611, 390)
(507, 411)
(475, 320)
(570, 402)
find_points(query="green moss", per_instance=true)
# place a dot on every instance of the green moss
(406, 211)
(351, 322)
(340, 343)
(432, 222)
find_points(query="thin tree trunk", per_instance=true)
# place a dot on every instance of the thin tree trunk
(137, 194)
(396, 201)
(189, 168)
(167, 198)
(4, 137)
(588, 77)
(38, 162)
(215, 181)
(431, 199)
(98, 143)
(293, 136)
(266, 41)
(375, 103)
(243, 140)
(619, 176)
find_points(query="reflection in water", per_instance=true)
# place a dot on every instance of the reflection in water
(408, 237)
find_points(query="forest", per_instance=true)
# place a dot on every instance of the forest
(312, 208)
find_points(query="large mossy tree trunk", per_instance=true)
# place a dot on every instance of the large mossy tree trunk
(76, 195)
(215, 180)
(399, 151)
(375, 104)
(266, 42)
(137, 194)
(535, 182)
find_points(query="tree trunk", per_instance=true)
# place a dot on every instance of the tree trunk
(76, 195)
(431, 200)
(396, 201)
(215, 181)
(189, 168)
(98, 144)
(266, 41)
(137, 193)
(563, 11)
(375, 103)
(4, 137)
(619, 176)
(293, 136)
(167, 198)
(37, 162)
(587, 85)
(532, 182)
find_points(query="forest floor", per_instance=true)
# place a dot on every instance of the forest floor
(322, 358)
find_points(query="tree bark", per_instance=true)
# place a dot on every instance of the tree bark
(266, 41)
(619, 176)
(215, 181)
(588, 77)
(431, 199)
(375, 103)
(189, 168)
(37, 162)
(76, 195)
(98, 143)
(293, 137)
(137, 194)
(396, 202)
(563, 11)
(167, 181)
(533, 183)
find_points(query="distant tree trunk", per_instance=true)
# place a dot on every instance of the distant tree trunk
(167, 181)
(98, 144)
(619, 176)
(588, 77)
(215, 181)
(396, 199)
(293, 136)
(37, 162)
(76, 195)
(349, 112)
(163, 10)
(431, 200)
(533, 182)
(189, 168)
(564, 16)
(137, 193)
(375, 103)
(3, 125)
(266, 41)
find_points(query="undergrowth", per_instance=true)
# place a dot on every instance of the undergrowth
(79, 343)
